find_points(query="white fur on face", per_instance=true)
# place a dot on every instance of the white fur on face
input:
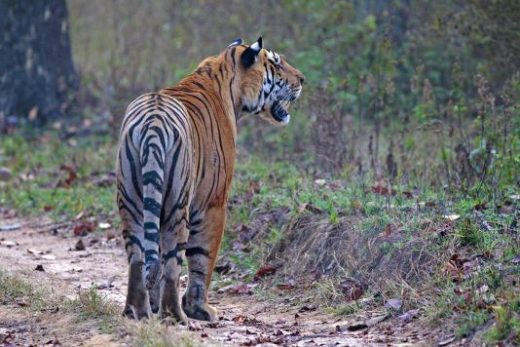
(273, 90)
(273, 56)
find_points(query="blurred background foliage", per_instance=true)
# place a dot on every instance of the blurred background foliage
(387, 80)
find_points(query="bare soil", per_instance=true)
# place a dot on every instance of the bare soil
(244, 320)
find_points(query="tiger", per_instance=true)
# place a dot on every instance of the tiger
(175, 163)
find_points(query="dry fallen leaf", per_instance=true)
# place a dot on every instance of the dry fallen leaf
(264, 271)
(389, 229)
(382, 189)
(452, 217)
(71, 176)
(309, 207)
(290, 284)
(352, 289)
(83, 228)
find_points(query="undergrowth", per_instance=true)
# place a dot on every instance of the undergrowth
(353, 242)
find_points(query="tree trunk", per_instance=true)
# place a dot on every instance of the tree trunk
(37, 76)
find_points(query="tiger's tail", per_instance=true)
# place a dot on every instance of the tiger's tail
(152, 156)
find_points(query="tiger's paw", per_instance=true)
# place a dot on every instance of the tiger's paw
(200, 311)
(132, 313)
(174, 317)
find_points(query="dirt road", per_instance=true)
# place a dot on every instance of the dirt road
(244, 319)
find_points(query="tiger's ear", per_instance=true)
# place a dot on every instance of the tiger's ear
(236, 42)
(250, 55)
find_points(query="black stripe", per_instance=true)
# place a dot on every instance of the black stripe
(198, 84)
(134, 241)
(133, 170)
(201, 273)
(219, 86)
(122, 206)
(233, 57)
(169, 184)
(122, 190)
(151, 225)
(152, 177)
(151, 236)
(152, 206)
(194, 231)
(172, 254)
(160, 133)
(150, 255)
(195, 251)
(175, 253)
(232, 96)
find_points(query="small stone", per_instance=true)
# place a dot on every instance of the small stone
(8, 243)
(394, 304)
(5, 174)
(80, 246)
(320, 182)
(10, 227)
(104, 225)
(48, 257)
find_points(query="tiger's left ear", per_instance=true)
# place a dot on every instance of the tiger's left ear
(238, 41)
(250, 55)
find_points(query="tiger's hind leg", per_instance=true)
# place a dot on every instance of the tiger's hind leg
(137, 300)
(173, 243)
(201, 251)
(129, 186)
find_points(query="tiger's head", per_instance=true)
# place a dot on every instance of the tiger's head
(268, 83)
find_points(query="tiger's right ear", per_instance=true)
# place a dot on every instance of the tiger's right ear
(250, 55)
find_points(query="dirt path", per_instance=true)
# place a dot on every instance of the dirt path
(244, 320)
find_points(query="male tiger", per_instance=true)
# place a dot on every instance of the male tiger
(175, 164)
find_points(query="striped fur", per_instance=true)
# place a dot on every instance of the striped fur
(175, 164)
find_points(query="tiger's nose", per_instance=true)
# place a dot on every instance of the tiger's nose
(301, 79)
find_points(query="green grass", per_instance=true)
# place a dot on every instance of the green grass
(384, 227)
(470, 322)
(507, 324)
(344, 309)
(14, 290)
(91, 305)
(36, 162)
(153, 333)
